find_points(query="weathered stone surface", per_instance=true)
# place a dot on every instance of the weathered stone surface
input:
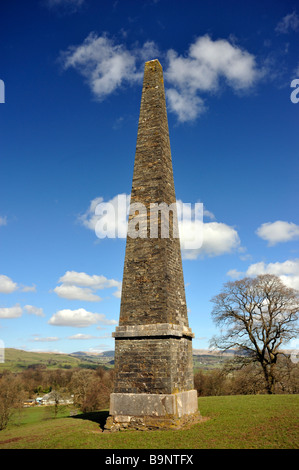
(153, 284)
(153, 365)
(152, 423)
(156, 329)
(125, 405)
(153, 385)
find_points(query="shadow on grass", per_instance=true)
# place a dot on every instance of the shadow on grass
(99, 417)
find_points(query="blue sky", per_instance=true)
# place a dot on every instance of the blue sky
(72, 71)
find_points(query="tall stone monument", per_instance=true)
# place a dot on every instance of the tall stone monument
(153, 385)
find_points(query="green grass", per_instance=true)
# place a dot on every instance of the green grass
(230, 422)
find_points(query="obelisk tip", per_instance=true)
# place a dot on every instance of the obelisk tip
(153, 62)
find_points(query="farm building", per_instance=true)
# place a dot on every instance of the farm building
(54, 397)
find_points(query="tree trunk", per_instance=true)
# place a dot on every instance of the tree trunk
(269, 378)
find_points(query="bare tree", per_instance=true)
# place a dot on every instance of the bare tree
(57, 397)
(258, 315)
(80, 386)
(11, 397)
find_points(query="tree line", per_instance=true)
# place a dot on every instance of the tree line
(236, 377)
(90, 388)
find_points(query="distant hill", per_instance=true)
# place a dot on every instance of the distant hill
(213, 352)
(196, 352)
(17, 360)
(88, 354)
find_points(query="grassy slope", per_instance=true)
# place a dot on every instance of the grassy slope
(17, 360)
(237, 422)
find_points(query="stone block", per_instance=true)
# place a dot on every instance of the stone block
(124, 405)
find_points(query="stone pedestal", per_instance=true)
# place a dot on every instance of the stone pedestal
(153, 404)
(152, 411)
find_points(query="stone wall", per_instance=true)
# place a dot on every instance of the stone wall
(153, 365)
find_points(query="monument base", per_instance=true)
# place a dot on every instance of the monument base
(147, 411)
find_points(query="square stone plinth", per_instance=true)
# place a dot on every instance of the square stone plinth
(146, 412)
(149, 404)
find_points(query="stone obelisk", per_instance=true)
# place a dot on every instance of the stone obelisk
(153, 385)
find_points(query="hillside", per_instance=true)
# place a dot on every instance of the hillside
(17, 359)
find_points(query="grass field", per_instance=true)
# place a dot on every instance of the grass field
(230, 422)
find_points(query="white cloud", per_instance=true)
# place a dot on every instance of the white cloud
(99, 349)
(113, 223)
(89, 219)
(79, 318)
(29, 288)
(234, 273)
(218, 239)
(16, 311)
(117, 293)
(47, 339)
(208, 214)
(107, 66)
(148, 51)
(81, 336)
(31, 309)
(187, 106)
(85, 280)
(289, 23)
(81, 286)
(3, 220)
(277, 232)
(11, 312)
(76, 293)
(287, 271)
(286, 268)
(201, 70)
(104, 64)
(207, 61)
(7, 285)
